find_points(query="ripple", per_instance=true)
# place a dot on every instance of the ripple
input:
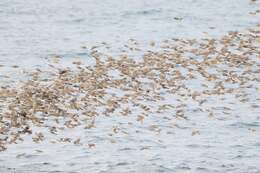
(244, 125)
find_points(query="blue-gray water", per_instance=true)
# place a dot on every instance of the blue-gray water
(31, 30)
(35, 29)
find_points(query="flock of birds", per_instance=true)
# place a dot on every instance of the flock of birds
(180, 72)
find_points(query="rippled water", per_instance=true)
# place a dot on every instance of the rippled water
(36, 29)
(31, 30)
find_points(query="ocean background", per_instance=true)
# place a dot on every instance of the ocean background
(33, 30)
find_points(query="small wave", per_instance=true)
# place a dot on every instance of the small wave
(142, 13)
